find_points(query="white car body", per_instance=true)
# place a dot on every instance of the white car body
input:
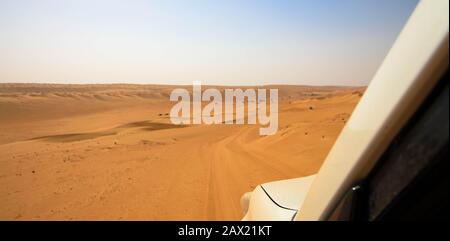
(409, 72)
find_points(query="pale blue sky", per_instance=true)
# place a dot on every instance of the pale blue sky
(232, 42)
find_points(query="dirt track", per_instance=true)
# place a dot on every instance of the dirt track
(109, 152)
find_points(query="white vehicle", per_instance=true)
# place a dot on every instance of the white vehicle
(390, 160)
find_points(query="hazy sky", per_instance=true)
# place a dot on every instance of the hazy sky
(326, 42)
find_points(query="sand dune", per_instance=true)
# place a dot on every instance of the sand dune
(99, 152)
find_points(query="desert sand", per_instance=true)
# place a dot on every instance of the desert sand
(107, 152)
